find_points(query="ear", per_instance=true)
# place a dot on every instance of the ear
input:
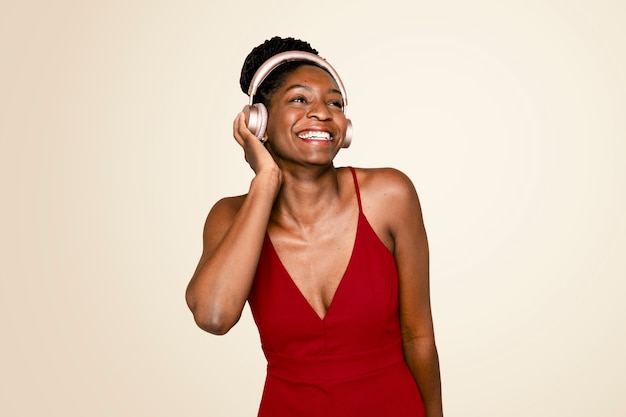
(264, 138)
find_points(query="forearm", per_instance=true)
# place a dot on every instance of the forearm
(423, 361)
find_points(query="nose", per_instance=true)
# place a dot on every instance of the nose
(319, 110)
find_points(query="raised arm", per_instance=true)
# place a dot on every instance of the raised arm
(232, 242)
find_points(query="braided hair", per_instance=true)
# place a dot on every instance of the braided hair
(262, 53)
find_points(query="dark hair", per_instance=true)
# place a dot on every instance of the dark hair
(262, 53)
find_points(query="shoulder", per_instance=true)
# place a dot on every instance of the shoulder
(389, 201)
(228, 205)
(223, 213)
(385, 184)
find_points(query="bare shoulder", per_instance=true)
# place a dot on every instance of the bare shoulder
(385, 184)
(390, 202)
(221, 217)
(227, 207)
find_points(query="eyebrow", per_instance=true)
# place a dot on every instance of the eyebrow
(309, 88)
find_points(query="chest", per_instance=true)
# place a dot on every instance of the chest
(316, 261)
(362, 311)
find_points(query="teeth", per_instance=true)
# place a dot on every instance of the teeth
(315, 135)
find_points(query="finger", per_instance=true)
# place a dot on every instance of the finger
(237, 128)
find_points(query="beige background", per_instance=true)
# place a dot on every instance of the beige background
(115, 140)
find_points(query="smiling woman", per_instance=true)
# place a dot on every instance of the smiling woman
(333, 261)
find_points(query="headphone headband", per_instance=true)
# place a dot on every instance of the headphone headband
(275, 61)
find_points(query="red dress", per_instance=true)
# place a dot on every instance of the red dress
(348, 364)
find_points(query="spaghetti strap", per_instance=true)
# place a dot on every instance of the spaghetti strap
(356, 187)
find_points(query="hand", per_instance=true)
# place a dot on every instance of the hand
(257, 156)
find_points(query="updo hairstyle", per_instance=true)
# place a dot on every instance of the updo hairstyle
(262, 53)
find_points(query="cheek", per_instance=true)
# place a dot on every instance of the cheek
(271, 124)
(342, 122)
(280, 123)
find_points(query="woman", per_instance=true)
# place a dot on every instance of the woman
(333, 261)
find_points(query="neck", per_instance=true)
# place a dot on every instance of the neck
(306, 196)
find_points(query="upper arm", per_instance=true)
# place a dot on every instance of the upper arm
(216, 226)
(410, 247)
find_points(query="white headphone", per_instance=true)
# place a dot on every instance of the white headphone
(256, 114)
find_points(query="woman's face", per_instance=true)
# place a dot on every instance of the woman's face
(306, 123)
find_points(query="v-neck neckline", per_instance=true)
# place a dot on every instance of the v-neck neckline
(341, 280)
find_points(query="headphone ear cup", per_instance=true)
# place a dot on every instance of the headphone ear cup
(256, 119)
(347, 140)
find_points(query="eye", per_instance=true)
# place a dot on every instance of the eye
(298, 99)
(337, 104)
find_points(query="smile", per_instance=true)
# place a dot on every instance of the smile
(315, 135)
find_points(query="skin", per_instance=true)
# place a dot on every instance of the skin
(307, 207)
